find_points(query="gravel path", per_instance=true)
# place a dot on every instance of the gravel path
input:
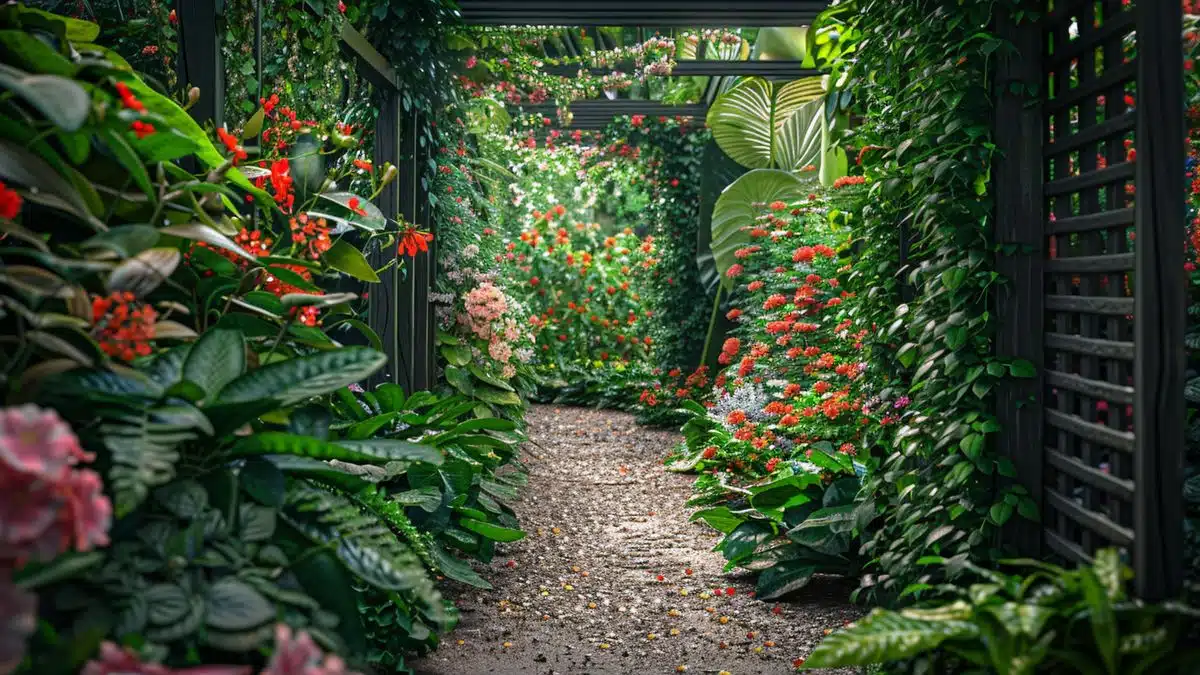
(601, 583)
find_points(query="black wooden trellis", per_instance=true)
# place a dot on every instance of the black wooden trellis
(398, 307)
(1091, 240)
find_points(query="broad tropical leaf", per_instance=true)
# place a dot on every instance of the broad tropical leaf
(738, 207)
(371, 451)
(364, 544)
(752, 122)
(294, 380)
(218, 358)
(885, 636)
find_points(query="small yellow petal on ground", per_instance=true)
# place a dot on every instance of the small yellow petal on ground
(651, 636)
(681, 668)
(724, 619)
(591, 605)
(462, 642)
(506, 645)
(604, 645)
(674, 631)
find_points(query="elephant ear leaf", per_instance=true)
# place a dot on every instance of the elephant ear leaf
(741, 204)
(752, 122)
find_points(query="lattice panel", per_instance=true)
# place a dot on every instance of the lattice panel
(1089, 114)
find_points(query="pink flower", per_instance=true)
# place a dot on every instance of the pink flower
(49, 506)
(18, 619)
(37, 443)
(114, 660)
(299, 655)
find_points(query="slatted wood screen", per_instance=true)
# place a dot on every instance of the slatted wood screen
(1102, 222)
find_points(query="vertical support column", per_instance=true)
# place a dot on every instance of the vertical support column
(383, 301)
(1019, 234)
(422, 317)
(1160, 309)
(409, 184)
(200, 58)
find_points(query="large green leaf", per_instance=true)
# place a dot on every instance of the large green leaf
(365, 545)
(456, 569)
(752, 122)
(886, 636)
(235, 606)
(294, 380)
(372, 451)
(783, 578)
(62, 101)
(178, 119)
(740, 205)
(343, 257)
(494, 532)
(218, 358)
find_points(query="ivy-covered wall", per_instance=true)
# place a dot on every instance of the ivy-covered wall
(926, 104)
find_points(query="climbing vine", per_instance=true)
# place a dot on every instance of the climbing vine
(926, 107)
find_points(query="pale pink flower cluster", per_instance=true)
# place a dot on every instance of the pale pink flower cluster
(47, 505)
(485, 303)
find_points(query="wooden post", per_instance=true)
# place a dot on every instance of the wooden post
(200, 58)
(1160, 294)
(1019, 233)
(408, 183)
(422, 268)
(382, 301)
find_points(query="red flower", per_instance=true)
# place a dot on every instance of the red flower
(128, 100)
(710, 452)
(232, 145)
(141, 129)
(123, 326)
(10, 202)
(354, 205)
(413, 241)
(341, 7)
(281, 183)
(736, 417)
(368, 167)
(172, 17)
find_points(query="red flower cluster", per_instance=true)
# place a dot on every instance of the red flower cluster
(311, 234)
(122, 326)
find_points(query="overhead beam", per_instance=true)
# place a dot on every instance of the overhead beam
(589, 115)
(692, 13)
(783, 69)
(371, 63)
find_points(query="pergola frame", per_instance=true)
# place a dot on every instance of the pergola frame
(691, 13)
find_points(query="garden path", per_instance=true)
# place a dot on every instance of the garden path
(605, 565)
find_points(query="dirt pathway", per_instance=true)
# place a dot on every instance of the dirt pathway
(601, 583)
